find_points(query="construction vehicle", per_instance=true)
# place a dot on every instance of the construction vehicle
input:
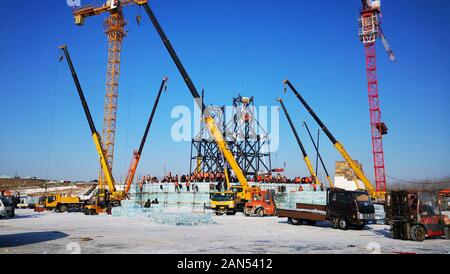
(369, 30)
(376, 195)
(60, 203)
(226, 201)
(115, 30)
(6, 208)
(27, 202)
(300, 144)
(344, 209)
(138, 153)
(415, 215)
(104, 199)
(261, 204)
(244, 190)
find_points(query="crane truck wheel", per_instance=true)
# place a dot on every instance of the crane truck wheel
(417, 233)
(260, 212)
(87, 211)
(63, 208)
(296, 221)
(394, 231)
(343, 224)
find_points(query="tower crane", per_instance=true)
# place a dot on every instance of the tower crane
(300, 144)
(115, 31)
(369, 31)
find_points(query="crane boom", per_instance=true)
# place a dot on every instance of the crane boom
(299, 142)
(95, 136)
(386, 45)
(320, 156)
(211, 125)
(82, 13)
(339, 147)
(137, 154)
(114, 26)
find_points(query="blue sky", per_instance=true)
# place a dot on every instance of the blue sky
(228, 47)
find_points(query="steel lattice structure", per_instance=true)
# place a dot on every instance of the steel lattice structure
(241, 133)
(369, 31)
(114, 28)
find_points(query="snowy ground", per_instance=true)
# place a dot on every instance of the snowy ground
(31, 232)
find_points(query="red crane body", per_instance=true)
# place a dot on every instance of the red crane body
(369, 31)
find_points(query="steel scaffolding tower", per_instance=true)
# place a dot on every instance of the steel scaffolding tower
(242, 132)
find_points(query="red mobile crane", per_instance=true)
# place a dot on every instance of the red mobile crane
(369, 31)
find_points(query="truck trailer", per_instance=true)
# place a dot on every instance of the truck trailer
(344, 209)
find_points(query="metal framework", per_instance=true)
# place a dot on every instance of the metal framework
(247, 144)
(115, 30)
(205, 155)
(250, 149)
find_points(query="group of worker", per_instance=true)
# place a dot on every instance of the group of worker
(208, 177)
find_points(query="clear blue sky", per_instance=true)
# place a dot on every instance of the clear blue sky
(228, 47)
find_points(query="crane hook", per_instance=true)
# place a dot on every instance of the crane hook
(138, 20)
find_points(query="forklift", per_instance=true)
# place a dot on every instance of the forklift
(415, 215)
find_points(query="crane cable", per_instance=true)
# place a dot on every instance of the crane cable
(415, 183)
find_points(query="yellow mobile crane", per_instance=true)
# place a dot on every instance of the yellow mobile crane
(339, 147)
(105, 199)
(244, 191)
(300, 144)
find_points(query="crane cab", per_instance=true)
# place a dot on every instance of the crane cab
(261, 204)
(224, 202)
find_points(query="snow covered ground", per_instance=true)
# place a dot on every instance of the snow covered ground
(49, 232)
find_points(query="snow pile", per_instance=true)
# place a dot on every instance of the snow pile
(156, 214)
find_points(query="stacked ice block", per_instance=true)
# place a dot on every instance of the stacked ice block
(157, 214)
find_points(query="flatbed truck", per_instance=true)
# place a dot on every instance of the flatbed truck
(344, 209)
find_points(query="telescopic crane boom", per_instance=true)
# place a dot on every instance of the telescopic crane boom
(299, 142)
(210, 123)
(339, 147)
(138, 153)
(115, 195)
(320, 156)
